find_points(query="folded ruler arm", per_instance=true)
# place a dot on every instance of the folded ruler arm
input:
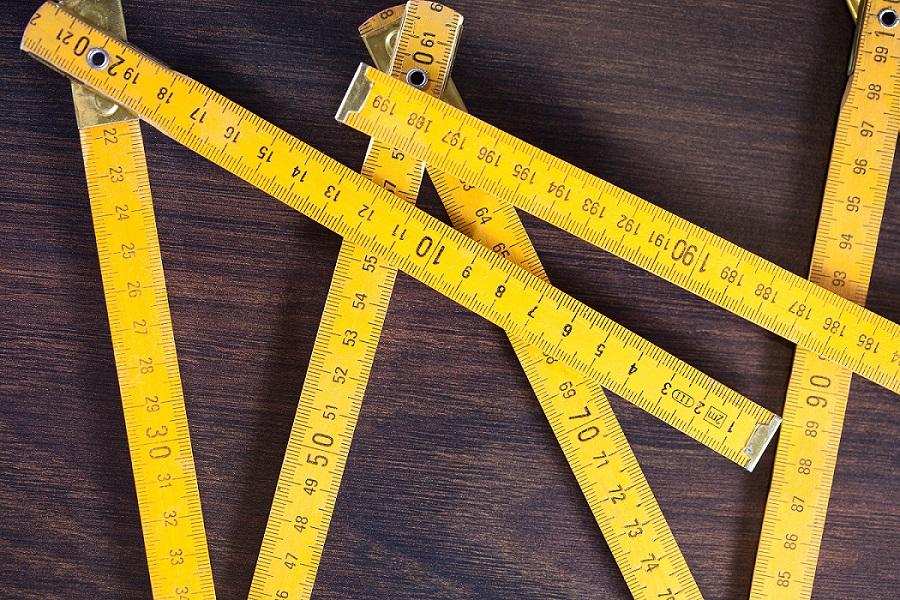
(346, 341)
(428, 250)
(846, 239)
(141, 329)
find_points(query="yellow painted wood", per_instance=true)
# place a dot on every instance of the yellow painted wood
(412, 241)
(345, 345)
(847, 235)
(583, 422)
(146, 363)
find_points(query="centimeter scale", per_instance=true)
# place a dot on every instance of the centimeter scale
(348, 336)
(519, 174)
(843, 255)
(413, 241)
(842, 262)
(623, 224)
(579, 413)
(141, 328)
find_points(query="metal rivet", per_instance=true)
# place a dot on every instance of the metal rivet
(888, 18)
(390, 41)
(417, 78)
(98, 58)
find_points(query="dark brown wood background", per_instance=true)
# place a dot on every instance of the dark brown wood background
(720, 111)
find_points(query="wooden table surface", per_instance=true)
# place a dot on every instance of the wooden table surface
(720, 111)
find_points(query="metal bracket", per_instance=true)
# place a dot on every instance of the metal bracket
(91, 109)
(381, 45)
(759, 441)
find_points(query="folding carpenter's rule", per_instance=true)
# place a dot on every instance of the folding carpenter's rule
(499, 171)
(345, 345)
(611, 218)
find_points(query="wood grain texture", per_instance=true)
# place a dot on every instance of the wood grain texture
(722, 112)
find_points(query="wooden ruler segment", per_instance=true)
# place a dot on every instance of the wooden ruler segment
(407, 238)
(582, 420)
(146, 363)
(141, 327)
(624, 224)
(345, 344)
(844, 251)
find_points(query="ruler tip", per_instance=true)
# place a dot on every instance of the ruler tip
(356, 94)
(24, 44)
(759, 441)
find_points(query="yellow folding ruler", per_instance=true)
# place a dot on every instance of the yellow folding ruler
(843, 255)
(625, 225)
(345, 345)
(409, 239)
(140, 324)
(582, 420)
